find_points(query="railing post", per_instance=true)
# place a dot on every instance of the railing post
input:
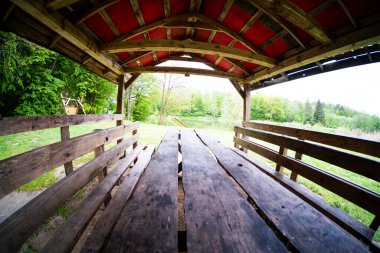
(293, 175)
(246, 108)
(282, 151)
(65, 135)
(103, 172)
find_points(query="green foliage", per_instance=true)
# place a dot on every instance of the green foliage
(32, 79)
(319, 114)
(142, 109)
(308, 115)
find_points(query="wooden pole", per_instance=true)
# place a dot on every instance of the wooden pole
(65, 135)
(247, 103)
(120, 99)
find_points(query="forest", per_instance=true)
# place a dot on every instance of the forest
(33, 79)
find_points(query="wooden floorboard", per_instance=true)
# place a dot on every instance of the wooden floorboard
(148, 223)
(218, 218)
(305, 228)
(107, 220)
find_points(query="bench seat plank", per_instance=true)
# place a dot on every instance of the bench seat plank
(148, 222)
(305, 228)
(67, 235)
(218, 218)
(107, 220)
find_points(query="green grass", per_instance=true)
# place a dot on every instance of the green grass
(152, 134)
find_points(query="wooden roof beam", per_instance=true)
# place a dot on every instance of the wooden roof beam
(131, 80)
(295, 15)
(58, 4)
(348, 14)
(238, 88)
(190, 47)
(229, 32)
(152, 26)
(67, 30)
(360, 38)
(186, 71)
(95, 9)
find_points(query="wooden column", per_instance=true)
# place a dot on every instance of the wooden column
(120, 99)
(247, 103)
(65, 135)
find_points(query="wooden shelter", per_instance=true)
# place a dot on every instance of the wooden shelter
(254, 44)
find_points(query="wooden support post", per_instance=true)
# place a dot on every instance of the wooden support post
(375, 223)
(120, 99)
(65, 135)
(103, 172)
(293, 175)
(282, 151)
(246, 108)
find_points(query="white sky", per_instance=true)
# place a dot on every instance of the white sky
(356, 87)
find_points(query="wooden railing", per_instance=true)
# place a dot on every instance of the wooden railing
(339, 150)
(20, 169)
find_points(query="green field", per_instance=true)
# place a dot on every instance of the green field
(152, 134)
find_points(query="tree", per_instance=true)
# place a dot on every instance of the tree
(169, 83)
(308, 113)
(260, 109)
(319, 114)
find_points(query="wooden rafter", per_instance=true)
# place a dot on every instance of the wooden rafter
(131, 80)
(67, 30)
(348, 13)
(251, 22)
(295, 15)
(167, 14)
(226, 9)
(137, 11)
(133, 58)
(186, 59)
(152, 26)
(109, 22)
(190, 47)
(229, 32)
(57, 4)
(189, 30)
(95, 9)
(238, 88)
(186, 71)
(360, 38)
(187, 24)
(322, 7)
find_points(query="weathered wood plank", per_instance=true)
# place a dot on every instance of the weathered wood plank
(68, 234)
(358, 164)
(341, 141)
(306, 229)
(148, 222)
(359, 195)
(65, 135)
(110, 215)
(12, 125)
(19, 226)
(353, 226)
(218, 218)
(20, 169)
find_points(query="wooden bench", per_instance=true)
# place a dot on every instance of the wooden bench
(20, 169)
(322, 146)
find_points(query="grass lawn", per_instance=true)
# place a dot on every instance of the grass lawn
(152, 134)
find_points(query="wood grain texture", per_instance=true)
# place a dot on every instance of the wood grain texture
(218, 218)
(20, 169)
(341, 141)
(149, 220)
(361, 196)
(306, 229)
(353, 226)
(106, 222)
(13, 125)
(361, 165)
(68, 234)
(16, 229)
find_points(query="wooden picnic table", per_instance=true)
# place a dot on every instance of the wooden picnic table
(230, 206)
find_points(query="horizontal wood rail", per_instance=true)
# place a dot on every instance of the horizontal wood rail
(19, 226)
(20, 169)
(358, 164)
(12, 125)
(331, 148)
(368, 147)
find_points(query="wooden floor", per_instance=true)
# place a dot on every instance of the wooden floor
(219, 217)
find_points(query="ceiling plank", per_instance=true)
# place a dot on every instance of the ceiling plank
(152, 26)
(295, 15)
(67, 30)
(190, 47)
(360, 38)
(58, 4)
(95, 9)
(186, 71)
(137, 11)
(229, 32)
